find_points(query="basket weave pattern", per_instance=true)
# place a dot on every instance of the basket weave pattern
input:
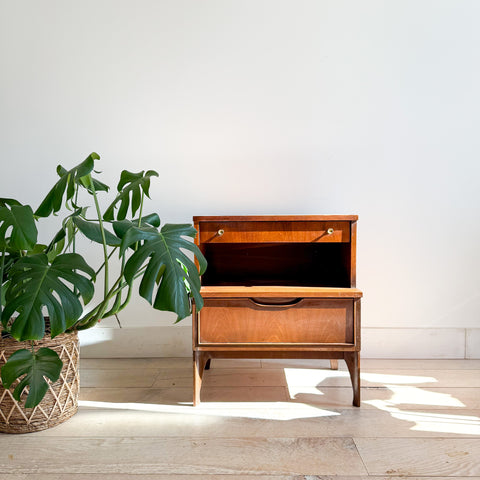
(60, 401)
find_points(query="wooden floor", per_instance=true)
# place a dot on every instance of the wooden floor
(276, 420)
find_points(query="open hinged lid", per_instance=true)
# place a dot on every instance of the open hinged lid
(313, 251)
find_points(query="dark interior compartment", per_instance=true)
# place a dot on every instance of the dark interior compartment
(287, 264)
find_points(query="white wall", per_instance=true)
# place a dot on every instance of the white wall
(270, 107)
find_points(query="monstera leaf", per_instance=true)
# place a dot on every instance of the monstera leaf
(34, 283)
(93, 232)
(68, 179)
(168, 266)
(122, 226)
(33, 367)
(129, 184)
(23, 235)
(8, 201)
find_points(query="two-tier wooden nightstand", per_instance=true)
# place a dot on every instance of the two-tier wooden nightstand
(278, 287)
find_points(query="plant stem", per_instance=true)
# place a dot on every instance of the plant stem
(103, 264)
(141, 209)
(124, 284)
(127, 299)
(92, 317)
(2, 267)
(140, 217)
(76, 203)
(75, 290)
(102, 230)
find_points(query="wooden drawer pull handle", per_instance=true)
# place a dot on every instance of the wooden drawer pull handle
(290, 303)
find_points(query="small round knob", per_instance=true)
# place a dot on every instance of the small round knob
(330, 231)
(220, 232)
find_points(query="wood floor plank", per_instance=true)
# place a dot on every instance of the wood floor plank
(378, 364)
(467, 378)
(179, 455)
(374, 477)
(183, 395)
(140, 363)
(96, 476)
(420, 364)
(324, 397)
(420, 456)
(125, 378)
(166, 362)
(121, 476)
(249, 377)
(371, 378)
(216, 394)
(173, 377)
(264, 421)
(117, 476)
(253, 376)
(419, 419)
(235, 363)
(411, 397)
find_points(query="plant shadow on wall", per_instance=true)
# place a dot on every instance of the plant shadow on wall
(56, 279)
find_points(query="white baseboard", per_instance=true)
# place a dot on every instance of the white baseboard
(176, 341)
(472, 344)
(172, 341)
(413, 343)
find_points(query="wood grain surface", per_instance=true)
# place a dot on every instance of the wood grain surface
(274, 232)
(247, 320)
(278, 292)
(279, 420)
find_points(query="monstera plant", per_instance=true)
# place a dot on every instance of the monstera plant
(47, 289)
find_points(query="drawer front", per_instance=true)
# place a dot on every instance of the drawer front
(291, 321)
(269, 231)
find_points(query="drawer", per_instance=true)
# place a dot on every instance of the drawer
(276, 321)
(274, 232)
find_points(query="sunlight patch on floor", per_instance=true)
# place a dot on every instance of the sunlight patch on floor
(389, 378)
(425, 422)
(419, 396)
(307, 377)
(307, 381)
(256, 410)
(432, 422)
(295, 391)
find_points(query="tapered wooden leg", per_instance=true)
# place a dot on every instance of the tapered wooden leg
(352, 360)
(207, 365)
(199, 361)
(334, 364)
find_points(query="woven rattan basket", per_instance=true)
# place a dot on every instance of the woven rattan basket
(60, 401)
